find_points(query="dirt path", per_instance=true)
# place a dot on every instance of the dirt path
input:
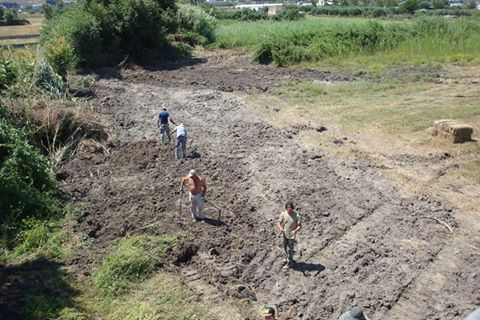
(363, 242)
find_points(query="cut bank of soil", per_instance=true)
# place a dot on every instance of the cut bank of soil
(363, 241)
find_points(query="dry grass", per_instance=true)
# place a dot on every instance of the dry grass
(386, 123)
(30, 29)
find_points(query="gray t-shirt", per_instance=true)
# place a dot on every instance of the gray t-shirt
(181, 131)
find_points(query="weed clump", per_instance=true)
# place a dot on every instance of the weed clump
(133, 260)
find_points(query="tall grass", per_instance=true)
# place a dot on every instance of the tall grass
(341, 39)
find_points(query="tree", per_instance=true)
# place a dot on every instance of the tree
(47, 11)
(424, 5)
(410, 6)
(472, 4)
(10, 15)
(391, 3)
(1, 13)
(439, 4)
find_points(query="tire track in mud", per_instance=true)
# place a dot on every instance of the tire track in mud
(363, 241)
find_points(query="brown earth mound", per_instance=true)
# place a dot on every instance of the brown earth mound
(364, 242)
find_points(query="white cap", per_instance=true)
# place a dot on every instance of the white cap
(192, 173)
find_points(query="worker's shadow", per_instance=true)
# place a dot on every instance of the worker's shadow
(305, 267)
(214, 222)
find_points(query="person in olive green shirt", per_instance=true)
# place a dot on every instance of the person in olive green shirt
(289, 224)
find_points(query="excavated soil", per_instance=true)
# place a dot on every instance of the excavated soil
(363, 241)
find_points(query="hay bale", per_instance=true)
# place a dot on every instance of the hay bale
(452, 129)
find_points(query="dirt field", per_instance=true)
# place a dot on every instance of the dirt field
(363, 241)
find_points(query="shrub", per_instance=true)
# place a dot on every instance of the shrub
(81, 31)
(84, 82)
(9, 16)
(47, 11)
(60, 55)
(7, 73)
(410, 6)
(195, 20)
(26, 187)
(133, 260)
(289, 13)
(50, 82)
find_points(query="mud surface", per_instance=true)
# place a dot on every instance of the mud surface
(363, 241)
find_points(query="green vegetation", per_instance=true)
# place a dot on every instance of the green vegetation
(107, 32)
(132, 261)
(287, 12)
(27, 190)
(354, 11)
(333, 41)
(162, 297)
(9, 17)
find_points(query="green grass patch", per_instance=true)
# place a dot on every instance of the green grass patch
(161, 297)
(133, 260)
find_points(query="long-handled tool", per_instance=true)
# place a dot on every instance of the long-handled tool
(215, 206)
(179, 213)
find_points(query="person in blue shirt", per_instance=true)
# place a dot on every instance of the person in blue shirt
(162, 124)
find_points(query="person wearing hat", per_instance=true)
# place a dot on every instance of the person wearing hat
(269, 313)
(289, 224)
(162, 124)
(356, 313)
(198, 189)
(181, 140)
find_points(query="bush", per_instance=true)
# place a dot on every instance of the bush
(60, 55)
(81, 30)
(410, 6)
(289, 13)
(195, 20)
(27, 189)
(50, 82)
(7, 73)
(9, 16)
(133, 260)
